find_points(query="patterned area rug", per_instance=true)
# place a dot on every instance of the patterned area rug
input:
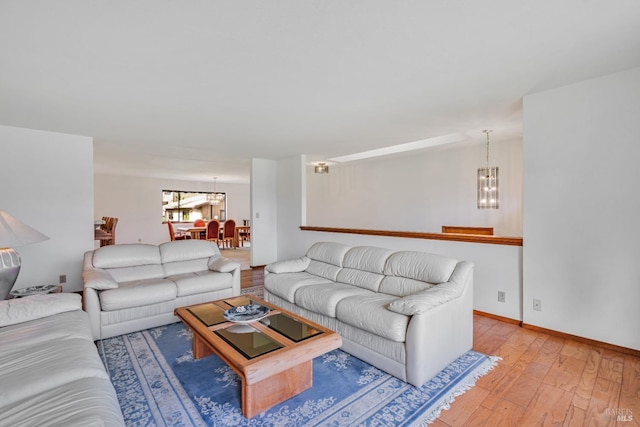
(160, 384)
(257, 291)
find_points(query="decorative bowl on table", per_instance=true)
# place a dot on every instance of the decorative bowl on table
(246, 313)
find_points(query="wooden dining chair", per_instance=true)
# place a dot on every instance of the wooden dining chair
(109, 228)
(172, 235)
(213, 231)
(229, 233)
(245, 233)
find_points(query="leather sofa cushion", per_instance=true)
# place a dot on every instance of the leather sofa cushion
(200, 282)
(184, 250)
(367, 258)
(286, 285)
(186, 266)
(361, 279)
(420, 266)
(138, 293)
(21, 310)
(324, 298)
(328, 252)
(289, 265)
(140, 272)
(401, 286)
(46, 366)
(127, 255)
(370, 313)
(84, 402)
(323, 269)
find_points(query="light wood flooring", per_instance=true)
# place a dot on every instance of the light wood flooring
(542, 380)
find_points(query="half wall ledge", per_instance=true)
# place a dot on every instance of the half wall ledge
(470, 238)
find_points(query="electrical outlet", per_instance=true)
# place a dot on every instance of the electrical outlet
(63, 278)
(502, 296)
(537, 304)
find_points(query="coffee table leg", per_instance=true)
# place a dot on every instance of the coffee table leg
(200, 348)
(259, 397)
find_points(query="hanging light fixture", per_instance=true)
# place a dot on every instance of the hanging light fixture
(321, 168)
(488, 194)
(215, 198)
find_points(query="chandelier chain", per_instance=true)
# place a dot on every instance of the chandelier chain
(487, 131)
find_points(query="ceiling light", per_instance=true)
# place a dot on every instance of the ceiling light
(321, 168)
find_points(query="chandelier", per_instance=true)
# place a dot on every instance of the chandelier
(215, 198)
(488, 195)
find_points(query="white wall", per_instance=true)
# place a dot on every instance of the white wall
(137, 203)
(264, 212)
(497, 267)
(581, 228)
(47, 183)
(419, 191)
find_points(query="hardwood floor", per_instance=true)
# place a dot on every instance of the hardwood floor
(547, 380)
(542, 380)
(252, 277)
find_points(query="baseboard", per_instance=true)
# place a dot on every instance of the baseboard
(625, 350)
(500, 318)
(559, 334)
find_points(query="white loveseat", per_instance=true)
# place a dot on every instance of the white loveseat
(132, 287)
(50, 371)
(407, 313)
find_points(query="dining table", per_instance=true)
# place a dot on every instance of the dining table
(194, 232)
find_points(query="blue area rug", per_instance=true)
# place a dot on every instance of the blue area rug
(160, 384)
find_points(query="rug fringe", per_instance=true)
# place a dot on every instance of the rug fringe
(451, 397)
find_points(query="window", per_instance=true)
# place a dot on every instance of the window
(188, 206)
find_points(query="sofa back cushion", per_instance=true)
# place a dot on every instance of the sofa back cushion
(363, 266)
(186, 250)
(326, 259)
(128, 255)
(128, 262)
(408, 272)
(187, 256)
(182, 267)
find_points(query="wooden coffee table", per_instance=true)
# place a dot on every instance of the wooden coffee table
(273, 356)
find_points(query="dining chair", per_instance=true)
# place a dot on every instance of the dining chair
(244, 234)
(229, 233)
(213, 231)
(200, 223)
(172, 234)
(109, 228)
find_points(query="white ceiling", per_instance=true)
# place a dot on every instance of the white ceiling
(189, 89)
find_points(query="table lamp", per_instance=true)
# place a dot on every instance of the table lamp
(13, 233)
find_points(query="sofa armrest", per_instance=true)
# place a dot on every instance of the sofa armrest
(21, 310)
(439, 294)
(91, 304)
(98, 279)
(426, 300)
(288, 266)
(222, 264)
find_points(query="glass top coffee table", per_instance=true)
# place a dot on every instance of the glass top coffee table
(272, 354)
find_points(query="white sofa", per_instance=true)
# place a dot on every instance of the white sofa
(50, 371)
(407, 313)
(132, 287)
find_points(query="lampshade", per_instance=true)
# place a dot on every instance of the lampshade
(13, 232)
